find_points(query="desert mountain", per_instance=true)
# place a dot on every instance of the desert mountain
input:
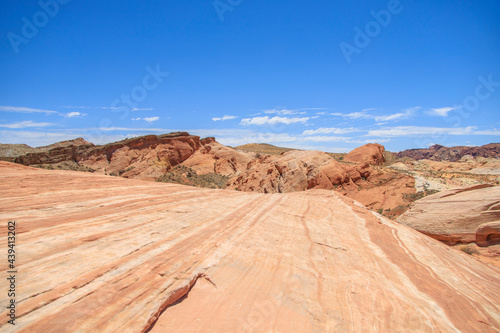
(186, 156)
(107, 254)
(9, 152)
(453, 154)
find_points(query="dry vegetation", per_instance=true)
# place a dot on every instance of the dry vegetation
(66, 165)
(186, 176)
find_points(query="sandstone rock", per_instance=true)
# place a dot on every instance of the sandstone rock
(488, 233)
(371, 153)
(146, 157)
(383, 191)
(303, 170)
(453, 216)
(11, 151)
(293, 171)
(216, 158)
(107, 254)
(453, 154)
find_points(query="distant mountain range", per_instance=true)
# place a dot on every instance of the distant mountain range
(453, 154)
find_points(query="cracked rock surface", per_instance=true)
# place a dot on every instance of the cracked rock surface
(106, 254)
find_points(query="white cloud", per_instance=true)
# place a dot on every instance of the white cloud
(284, 112)
(148, 119)
(103, 107)
(142, 109)
(443, 112)
(326, 138)
(391, 117)
(23, 109)
(273, 121)
(488, 132)
(74, 107)
(416, 130)
(25, 124)
(352, 115)
(75, 114)
(330, 130)
(408, 113)
(224, 118)
(363, 142)
(151, 119)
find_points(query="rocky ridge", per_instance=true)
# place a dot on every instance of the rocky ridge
(453, 154)
(152, 157)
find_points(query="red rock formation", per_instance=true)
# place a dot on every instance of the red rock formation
(292, 171)
(216, 158)
(371, 153)
(488, 233)
(303, 170)
(107, 254)
(146, 157)
(453, 154)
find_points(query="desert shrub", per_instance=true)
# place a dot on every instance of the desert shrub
(469, 249)
(389, 158)
(186, 176)
(411, 197)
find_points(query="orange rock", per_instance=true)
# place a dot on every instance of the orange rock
(488, 233)
(107, 254)
(371, 153)
(216, 158)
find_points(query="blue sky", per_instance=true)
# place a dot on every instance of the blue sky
(328, 75)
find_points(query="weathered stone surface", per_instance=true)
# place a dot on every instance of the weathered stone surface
(292, 171)
(107, 254)
(302, 170)
(453, 216)
(216, 158)
(371, 153)
(488, 233)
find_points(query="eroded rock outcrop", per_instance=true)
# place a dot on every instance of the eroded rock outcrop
(145, 157)
(216, 158)
(453, 216)
(107, 254)
(371, 153)
(296, 170)
(290, 172)
(453, 154)
(488, 233)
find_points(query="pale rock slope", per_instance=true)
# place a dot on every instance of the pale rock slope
(106, 254)
(453, 216)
